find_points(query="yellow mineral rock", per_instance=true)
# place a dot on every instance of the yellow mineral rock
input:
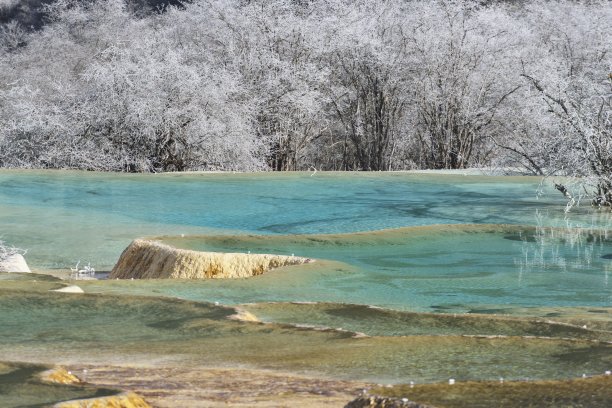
(59, 376)
(244, 316)
(145, 259)
(124, 400)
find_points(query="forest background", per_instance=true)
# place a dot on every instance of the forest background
(142, 86)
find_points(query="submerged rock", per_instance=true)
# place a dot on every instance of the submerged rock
(144, 259)
(60, 376)
(14, 263)
(592, 392)
(125, 400)
(384, 402)
(244, 316)
(70, 289)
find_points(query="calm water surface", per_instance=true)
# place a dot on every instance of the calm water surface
(63, 217)
(404, 242)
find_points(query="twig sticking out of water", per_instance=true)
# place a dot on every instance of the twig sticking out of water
(7, 251)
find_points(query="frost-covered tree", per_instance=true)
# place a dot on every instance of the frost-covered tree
(109, 99)
(12, 36)
(366, 87)
(288, 85)
(464, 58)
(268, 43)
(567, 102)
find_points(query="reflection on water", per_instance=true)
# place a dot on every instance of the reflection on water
(565, 250)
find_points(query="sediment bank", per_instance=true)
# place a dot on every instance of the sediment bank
(145, 259)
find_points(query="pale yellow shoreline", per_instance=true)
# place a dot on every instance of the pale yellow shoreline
(177, 386)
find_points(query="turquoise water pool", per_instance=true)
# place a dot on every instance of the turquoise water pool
(452, 268)
(63, 217)
(529, 283)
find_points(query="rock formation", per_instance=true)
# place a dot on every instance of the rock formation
(244, 316)
(69, 289)
(384, 402)
(14, 263)
(60, 376)
(125, 400)
(144, 259)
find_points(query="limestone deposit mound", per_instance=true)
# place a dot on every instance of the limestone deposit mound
(60, 376)
(69, 289)
(14, 263)
(145, 259)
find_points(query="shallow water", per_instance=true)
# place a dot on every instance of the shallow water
(374, 321)
(593, 392)
(457, 244)
(20, 386)
(104, 329)
(456, 268)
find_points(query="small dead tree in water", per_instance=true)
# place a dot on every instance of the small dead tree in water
(7, 251)
(575, 94)
(585, 144)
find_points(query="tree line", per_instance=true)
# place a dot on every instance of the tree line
(296, 84)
